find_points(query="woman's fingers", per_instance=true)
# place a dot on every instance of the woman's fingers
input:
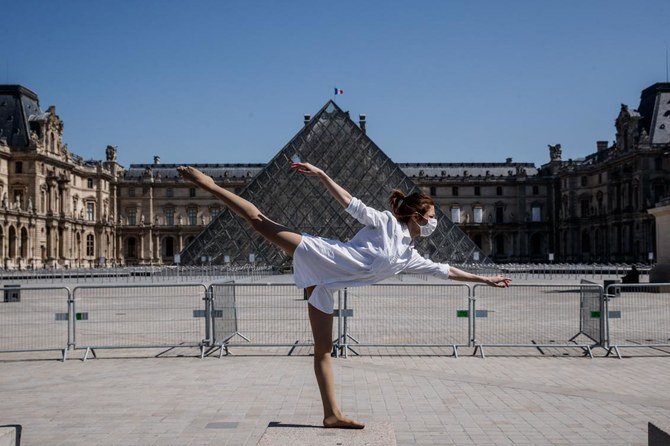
(304, 168)
(500, 282)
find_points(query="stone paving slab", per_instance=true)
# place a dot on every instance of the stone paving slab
(297, 433)
(7, 436)
(428, 400)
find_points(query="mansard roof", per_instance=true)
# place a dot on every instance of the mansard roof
(214, 170)
(17, 103)
(442, 170)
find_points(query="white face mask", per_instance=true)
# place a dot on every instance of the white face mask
(428, 228)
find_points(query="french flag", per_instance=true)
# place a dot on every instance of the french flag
(338, 91)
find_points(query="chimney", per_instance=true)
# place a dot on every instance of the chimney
(307, 119)
(508, 160)
(601, 145)
(157, 159)
(361, 122)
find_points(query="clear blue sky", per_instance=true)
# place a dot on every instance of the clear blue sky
(440, 81)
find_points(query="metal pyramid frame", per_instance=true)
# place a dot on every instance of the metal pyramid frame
(334, 143)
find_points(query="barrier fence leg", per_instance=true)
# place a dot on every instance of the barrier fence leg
(89, 350)
(337, 344)
(344, 327)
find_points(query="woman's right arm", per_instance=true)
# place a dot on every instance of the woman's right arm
(342, 196)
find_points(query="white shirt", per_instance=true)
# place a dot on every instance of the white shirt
(380, 250)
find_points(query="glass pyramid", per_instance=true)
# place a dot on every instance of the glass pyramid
(333, 142)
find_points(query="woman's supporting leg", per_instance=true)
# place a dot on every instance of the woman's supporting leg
(275, 233)
(322, 330)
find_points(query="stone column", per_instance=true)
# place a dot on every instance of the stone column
(140, 252)
(3, 245)
(157, 249)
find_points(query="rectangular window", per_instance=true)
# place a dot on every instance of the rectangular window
(456, 215)
(600, 178)
(585, 181)
(478, 191)
(536, 190)
(18, 167)
(191, 192)
(90, 211)
(169, 217)
(432, 191)
(215, 213)
(499, 191)
(132, 217)
(499, 214)
(89, 183)
(192, 217)
(535, 213)
(169, 192)
(90, 245)
(454, 191)
(131, 192)
(478, 214)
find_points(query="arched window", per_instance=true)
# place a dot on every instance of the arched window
(24, 243)
(12, 242)
(90, 245)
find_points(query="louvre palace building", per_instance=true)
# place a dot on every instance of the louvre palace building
(61, 211)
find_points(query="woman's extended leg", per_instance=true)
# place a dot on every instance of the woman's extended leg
(280, 235)
(322, 329)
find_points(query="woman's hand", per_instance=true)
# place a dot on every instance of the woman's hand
(306, 169)
(497, 281)
(195, 176)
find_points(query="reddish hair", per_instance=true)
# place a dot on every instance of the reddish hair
(404, 206)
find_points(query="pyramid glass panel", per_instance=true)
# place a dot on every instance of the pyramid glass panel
(333, 142)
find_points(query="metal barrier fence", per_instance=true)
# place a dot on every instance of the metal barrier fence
(127, 317)
(530, 316)
(383, 315)
(591, 308)
(637, 315)
(35, 319)
(402, 315)
(259, 315)
(137, 274)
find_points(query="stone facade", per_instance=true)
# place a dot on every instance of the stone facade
(160, 214)
(58, 210)
(505, 208)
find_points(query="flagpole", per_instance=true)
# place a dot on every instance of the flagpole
(666, 61)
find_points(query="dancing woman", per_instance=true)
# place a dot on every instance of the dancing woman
(380, 250)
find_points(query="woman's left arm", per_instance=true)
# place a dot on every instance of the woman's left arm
(462, 276)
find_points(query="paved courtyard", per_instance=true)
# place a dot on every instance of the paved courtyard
(179, 399)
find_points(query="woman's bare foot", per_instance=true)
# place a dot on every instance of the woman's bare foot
(341, 422)
(194, 175)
